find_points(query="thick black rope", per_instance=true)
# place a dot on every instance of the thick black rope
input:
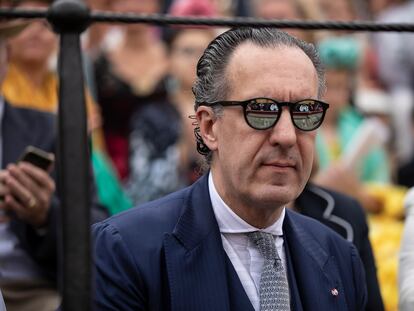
(163, 20)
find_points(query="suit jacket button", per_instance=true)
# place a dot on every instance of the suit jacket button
(334, 292)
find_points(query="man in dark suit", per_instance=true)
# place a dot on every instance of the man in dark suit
(29, 206)
(227, 242)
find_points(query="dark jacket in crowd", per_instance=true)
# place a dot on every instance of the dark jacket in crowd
(20, 128)
(346, 216)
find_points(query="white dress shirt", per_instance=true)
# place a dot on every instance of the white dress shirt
(242, 252)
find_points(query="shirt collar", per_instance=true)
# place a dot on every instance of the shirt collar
(229, 222)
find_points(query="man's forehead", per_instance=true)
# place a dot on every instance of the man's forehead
(247, 54)
(262, 65)
(251, 57)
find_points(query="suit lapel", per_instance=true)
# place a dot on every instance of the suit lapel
(315, 271)
(237, 295)
(195, 258)
(295, 301)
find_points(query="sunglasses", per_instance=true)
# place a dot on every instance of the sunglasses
(263, 113)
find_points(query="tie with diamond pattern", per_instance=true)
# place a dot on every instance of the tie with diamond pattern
(274, 288)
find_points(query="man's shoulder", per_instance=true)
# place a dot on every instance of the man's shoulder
(324, 235)
(332, 254)
(154, 219)
(329, 202)
(346, 206)
(27, 115)
(319, 239)
(22, 127)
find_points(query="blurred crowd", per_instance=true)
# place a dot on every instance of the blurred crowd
(138, 81)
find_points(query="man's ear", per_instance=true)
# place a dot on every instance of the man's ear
(207, 122)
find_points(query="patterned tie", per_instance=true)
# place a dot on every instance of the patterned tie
(274, 288)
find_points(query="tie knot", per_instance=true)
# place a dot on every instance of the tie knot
(265, 242)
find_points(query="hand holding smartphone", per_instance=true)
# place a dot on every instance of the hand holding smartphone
(38, 157)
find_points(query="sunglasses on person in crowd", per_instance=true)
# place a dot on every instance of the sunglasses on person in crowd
(263, 113)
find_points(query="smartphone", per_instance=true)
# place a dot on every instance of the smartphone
(38, 158)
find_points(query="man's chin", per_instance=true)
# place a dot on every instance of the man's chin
(278, 195)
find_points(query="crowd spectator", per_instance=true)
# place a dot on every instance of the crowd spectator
(396, 72)
(163, 158)
(29, 205)
(94, 38)
(290, 10)
(342, 124)
(129, 74)
(31, 82)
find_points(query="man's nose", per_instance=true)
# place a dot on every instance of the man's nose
(284, 131)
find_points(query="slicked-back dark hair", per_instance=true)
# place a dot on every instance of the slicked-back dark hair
(211, 84)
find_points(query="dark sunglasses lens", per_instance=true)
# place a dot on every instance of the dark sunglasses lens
(308, 114)
(262, 113)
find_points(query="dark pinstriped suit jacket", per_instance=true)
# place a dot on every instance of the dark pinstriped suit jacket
(168, 255)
